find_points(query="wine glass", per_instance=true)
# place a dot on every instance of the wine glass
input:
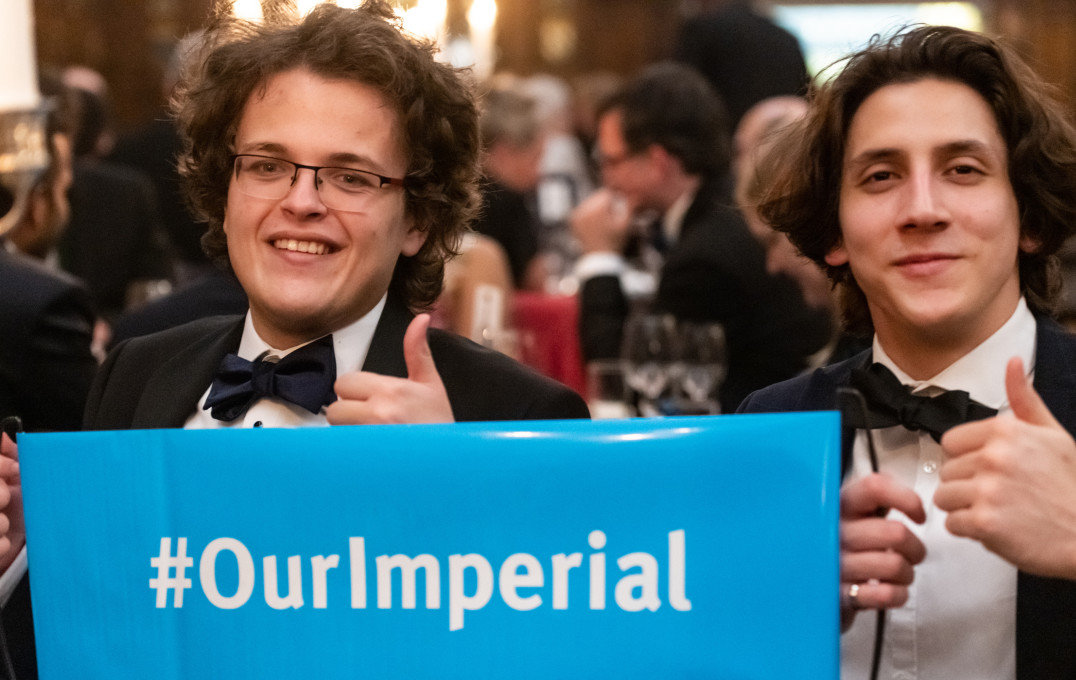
(649, 357)
(702, 363)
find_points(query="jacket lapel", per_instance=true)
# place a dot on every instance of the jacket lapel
(386, 347)
(173, 390)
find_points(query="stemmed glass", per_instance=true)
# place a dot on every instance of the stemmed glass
(702, 364)
(649, 353)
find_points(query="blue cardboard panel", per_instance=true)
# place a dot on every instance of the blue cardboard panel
(677, 547)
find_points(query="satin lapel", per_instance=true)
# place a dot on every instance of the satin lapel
(173, 390)
(386, 347)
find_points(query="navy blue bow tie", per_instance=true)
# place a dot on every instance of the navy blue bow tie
(890, 403)
(305, 378)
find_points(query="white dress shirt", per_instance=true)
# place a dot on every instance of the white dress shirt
(960, 619)
(637, 283)
(350, 345)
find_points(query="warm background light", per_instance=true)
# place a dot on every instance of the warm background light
(18, 62)
(251, 10)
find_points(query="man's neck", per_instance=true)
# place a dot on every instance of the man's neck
(924, 353)
(677, 186)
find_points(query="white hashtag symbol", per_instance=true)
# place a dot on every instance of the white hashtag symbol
(164, 564)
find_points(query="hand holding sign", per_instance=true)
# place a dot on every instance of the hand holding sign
(365, 397)
(12, 530)
(1010, 483)
(878, 555)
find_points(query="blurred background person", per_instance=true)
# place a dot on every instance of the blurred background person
(753, 138)
(512, 142)
(46, 365)
(745, 56)
(46, 317)
(153, 148)
(564, 174)
(664, 151)
(115, 240)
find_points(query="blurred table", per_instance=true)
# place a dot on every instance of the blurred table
(548, 327)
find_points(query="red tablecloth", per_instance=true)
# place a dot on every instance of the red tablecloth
(548, 327)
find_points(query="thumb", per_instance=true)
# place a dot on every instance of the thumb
(1025, 402)
(420, 366)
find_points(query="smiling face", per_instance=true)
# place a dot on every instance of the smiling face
(929, 222)
(308, 269)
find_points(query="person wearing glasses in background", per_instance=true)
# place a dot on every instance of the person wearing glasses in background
(934, 179)
(664, 153)
(335, 162)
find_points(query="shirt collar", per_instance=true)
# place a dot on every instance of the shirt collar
(980, 372)
(350, 343)
(673, 219)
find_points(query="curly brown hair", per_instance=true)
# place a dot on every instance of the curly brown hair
(435, 103)
(805, 166)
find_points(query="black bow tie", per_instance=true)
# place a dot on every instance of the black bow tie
(305, 378)
(890, 403)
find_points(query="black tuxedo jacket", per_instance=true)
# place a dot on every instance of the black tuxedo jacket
(156, 380)
(716, 271)
(115, 236)
(46, 328)
(1046, 607)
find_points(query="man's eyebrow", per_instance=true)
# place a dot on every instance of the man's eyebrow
(352, 159)
(268, 147)
(965, 146)
(873, 156)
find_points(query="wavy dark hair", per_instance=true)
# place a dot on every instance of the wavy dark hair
(672, 105)
(435, 103)
(805, 165)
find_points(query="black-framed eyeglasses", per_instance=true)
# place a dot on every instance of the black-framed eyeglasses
(347, 189)
(604, 162)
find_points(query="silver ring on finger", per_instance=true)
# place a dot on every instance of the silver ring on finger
(853, 596)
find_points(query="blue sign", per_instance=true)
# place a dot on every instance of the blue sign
(677, 547)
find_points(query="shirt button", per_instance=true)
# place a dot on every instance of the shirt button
(930, 467)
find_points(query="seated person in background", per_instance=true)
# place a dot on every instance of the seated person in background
(335, 162)
(512, 144)
(46, 321)
(115, 240)
(934, 179)
(664, 156)
(753, 138)
(46, 367)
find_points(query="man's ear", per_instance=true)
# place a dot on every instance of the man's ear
(414, 239)
(837, 256)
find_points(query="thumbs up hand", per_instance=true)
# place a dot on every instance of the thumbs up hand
(364, 397)
(1010, 483)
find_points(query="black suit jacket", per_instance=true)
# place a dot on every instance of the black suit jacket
(716, 271)
(216, 293)
(115, 236)
(156, 380)
(1046, 607)
(46, 328)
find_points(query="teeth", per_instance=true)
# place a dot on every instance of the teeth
(312, 247)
